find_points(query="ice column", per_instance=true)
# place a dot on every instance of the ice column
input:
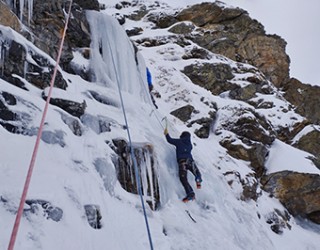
(112, 55)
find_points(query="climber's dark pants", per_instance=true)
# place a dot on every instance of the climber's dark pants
(184, 166)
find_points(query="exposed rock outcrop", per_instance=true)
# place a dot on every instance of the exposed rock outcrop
(232, 33)
(162, 20)
(49, 211)
(249, 185)
(268, 54)
(255, 154)
(299, 192)
(310, 142)
(6, 116)
(278, 220)
(93, 215)
(47, 23)
(147, 167)
(250, 126)
(88, 4)
(184, 113)
(71, 107)
(8, 18)
(305, 97)
(16, 122)
(213, 77)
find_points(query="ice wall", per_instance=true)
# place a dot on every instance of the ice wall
(113, 56)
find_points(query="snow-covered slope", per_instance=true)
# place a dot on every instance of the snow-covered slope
(73, 171)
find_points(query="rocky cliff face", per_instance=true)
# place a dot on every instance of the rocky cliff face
(45, 32)
(211, 29)
(232, 33)
(298, 192)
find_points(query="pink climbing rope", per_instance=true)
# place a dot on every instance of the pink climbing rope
(36, 147)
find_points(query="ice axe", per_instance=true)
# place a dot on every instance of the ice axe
(166, 120)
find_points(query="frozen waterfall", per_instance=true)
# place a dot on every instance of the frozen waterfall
(113, 56)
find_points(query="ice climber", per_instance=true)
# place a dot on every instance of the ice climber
(185, 161)
(150, 86)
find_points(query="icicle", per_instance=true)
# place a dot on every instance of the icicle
(150, 176)
(30, 10)
(2, 58)
(143, 172)
(144, 156)
(21, 2)
(131, 167)
(25, 69)
(5, 45)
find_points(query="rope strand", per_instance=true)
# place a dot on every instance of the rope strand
(36, 147)
(137, 176)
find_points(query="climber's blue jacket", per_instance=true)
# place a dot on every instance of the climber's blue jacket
(183, 145)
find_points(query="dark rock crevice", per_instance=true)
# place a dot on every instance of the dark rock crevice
(146, 162)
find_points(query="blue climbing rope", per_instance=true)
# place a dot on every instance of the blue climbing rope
(137, 176)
